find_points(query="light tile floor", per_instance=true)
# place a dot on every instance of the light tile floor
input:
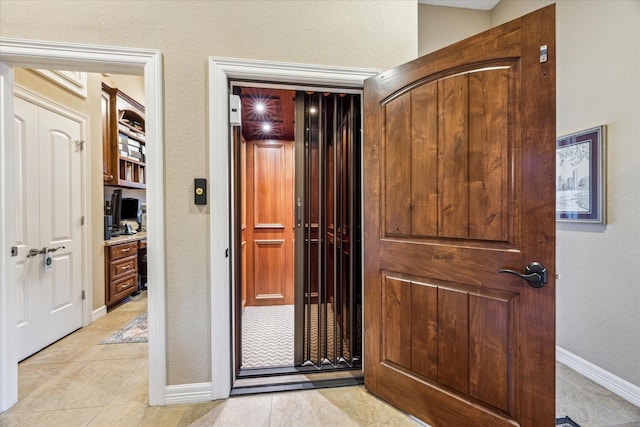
(76, 382)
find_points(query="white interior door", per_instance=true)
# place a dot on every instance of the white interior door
(48, 215)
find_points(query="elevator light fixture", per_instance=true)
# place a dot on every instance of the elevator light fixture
(259, 107)
(266, 127)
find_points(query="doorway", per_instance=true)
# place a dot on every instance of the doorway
(30, 54)
(221, 72)
(297, 203)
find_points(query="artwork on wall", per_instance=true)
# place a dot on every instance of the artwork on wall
(580, 176)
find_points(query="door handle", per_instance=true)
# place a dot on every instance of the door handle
(535, 273)
(298, 212)
(34, 252)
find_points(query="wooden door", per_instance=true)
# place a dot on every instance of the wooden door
(459, 183)
(48, 214)
(270, 206)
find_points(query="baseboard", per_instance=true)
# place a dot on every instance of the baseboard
(98, 313)
(606, 379)
(188, 393)
(202, 392)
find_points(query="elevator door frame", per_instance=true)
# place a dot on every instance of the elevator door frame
(235, 204)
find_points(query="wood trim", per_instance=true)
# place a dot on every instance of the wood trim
(98, 313)
(188, 393)
(74, 83)
(8, 310)
(621, 387)
(278, 226)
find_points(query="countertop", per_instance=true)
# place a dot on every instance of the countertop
(140, 235)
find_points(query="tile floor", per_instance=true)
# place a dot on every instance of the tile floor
(76, 382)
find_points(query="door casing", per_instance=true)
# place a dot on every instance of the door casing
(90, 58)
(221, 71)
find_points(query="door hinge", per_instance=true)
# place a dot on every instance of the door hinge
(82, 220)
(80, 144)
(14, 251)
(84, 294)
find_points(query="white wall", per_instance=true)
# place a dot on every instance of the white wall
(366, 34)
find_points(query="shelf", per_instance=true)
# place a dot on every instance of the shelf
(131, 131)
(124, 120)
(132, 173)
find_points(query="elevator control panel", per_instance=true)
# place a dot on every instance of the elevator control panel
(200, 191)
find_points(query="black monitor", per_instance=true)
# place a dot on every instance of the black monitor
(129, 209)
(116, 205)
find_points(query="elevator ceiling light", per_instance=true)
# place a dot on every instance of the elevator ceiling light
(266, 127)
(260, 107)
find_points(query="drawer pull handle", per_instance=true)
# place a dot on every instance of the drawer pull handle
(126, 267)
(126, 249)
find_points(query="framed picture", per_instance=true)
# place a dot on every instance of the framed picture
(580, 186)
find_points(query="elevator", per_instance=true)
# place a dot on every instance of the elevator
(297, 233)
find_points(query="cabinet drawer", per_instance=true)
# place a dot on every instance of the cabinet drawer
(123, 267)
(123, 250)
(124, 287)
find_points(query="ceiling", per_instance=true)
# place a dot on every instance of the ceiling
(467, 4)
(278, 112)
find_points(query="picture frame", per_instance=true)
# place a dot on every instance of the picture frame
(580, 176)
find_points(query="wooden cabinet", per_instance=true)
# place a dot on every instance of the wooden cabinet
(121, 270)
(142, 264)
(124, 140)
(108, 104)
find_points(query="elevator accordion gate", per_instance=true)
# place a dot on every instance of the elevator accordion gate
(328, 231)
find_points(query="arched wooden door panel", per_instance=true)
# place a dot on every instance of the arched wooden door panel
(459, 158)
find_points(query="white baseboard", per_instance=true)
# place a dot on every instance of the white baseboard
(606, 379)
(188, 393)
(98, 313)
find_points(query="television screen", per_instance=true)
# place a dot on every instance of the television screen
(129, 209)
